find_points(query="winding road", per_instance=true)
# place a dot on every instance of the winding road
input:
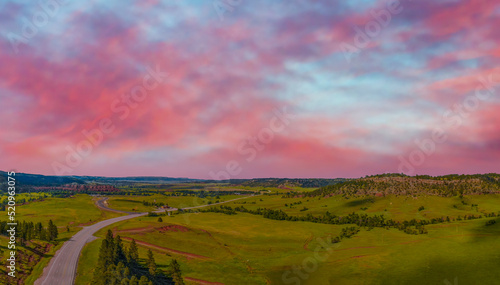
(61, 269)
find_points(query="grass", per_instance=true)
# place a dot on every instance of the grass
(87, 262)
(72, 212)
(394, 207)
(134, 203)
(75, 211)
(27, 269)
(248, 249)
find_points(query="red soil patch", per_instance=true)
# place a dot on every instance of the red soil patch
(86, 224)
(203, 282)
(308, 240)
(168, 228)
(359, 256)
(173, 228)
(356, 248)
(136, 230)
(186, 254)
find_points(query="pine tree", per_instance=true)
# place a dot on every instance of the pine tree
(133, 256)
(175, 272)
(134, 281)
(118, 252)
(151, 263)
(52, 231)
(102, 264)
(144, 280)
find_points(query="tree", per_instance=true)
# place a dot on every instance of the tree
(52, 231)
(118, 252)
(134, 281)
(151, 263)
(160, 220)
(133, 255)
(103, 262)
(174, 271)
(144, 280)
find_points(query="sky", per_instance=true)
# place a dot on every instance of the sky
(243, 89)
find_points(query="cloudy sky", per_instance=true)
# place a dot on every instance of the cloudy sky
(242, 89)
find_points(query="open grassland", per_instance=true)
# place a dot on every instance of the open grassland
(132, 203)
(249, 249)
(392, 207)
(87, 262)
(73, 211)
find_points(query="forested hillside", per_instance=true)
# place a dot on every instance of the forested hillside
(399, 184)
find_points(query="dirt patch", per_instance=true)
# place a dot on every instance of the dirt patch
(308, 240)
(359, 256)
(203, 282)
(168, 228)
(173, 228)
(136, 230)
(185, 254)
(356, 248)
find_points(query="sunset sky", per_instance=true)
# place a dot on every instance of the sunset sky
(260, 88)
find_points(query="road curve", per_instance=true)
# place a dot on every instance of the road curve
(61, 269)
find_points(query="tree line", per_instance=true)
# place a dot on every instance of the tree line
(26, 231)
(118, 265)
(412, 226)
(445, 186)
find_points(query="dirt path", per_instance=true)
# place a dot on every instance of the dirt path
(202, 282)
(306, 243)
(356, 248)
(161, 248)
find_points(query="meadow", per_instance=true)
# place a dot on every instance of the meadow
(133, 203)
(249, 249)
(67, 213)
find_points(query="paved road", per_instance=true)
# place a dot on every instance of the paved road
(61, 269)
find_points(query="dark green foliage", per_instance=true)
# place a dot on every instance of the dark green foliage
(286, 182)
(361, 220)
(349, 232)
(174, 270)
(398, 184)
(26, 231)
(150, 263)
(490, 222)
(52, 231)
(119, 266)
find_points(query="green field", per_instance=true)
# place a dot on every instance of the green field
(135, 203)
(72, 212)
(249, 249)
(395, 207)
